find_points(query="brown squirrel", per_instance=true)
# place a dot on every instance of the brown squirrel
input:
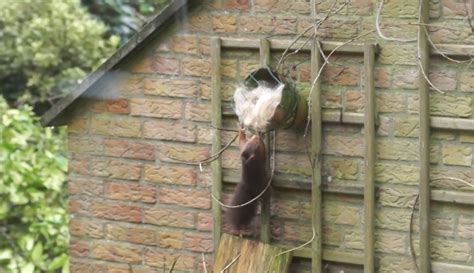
(253, 180)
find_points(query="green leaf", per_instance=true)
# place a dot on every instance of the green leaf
(58, 262)
(5, 254)
(65, 268)
(37, 254)
(28, 268)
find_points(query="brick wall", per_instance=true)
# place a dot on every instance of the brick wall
(135, 204)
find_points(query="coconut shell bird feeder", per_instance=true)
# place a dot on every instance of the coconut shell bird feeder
(266, 102)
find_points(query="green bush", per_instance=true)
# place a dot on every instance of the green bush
(46, 48)
(124, 17)
(33, 216)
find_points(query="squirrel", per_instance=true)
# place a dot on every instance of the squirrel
(253, 180)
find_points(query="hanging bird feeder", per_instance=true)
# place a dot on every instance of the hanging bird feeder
(265, 102)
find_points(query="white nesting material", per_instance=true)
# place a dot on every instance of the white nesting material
(255, 107)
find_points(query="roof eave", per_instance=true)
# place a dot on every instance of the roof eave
(49, 118)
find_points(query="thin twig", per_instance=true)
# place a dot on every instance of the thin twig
(230, 264)
(422, 69)
(205, 160)
(293, 249)
(410, 232)
(316, 24)
(379, 31)
(204, 265)
(454, 179)
(427, 78)
(258, 195)
(173, 264)
(469, 20)
(224, 129)
(442, 53)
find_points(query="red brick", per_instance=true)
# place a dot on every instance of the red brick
(198, 111)
(453, 8)
(237, 4)
(340, 75)
(86, 227)
(285, 25)
(121, 268)
(119, 106)
(170, 239)
(185, 197)
(199, 242)
(116, 211)
(406, 78)
(170, 88)
(169, 130)
(131, 192)
(388, 102)
(343, 145)
(171, 174)
(293, 163)
(330, 99)
(78, 248)
(256, 24)
(78, 164)
(116, 169)
(78, 125)
(160, 258)
(78, 207)
(142, 64)
(296, 232)
(84, 186)
(204, 221)
(115, 126)
(197, 67)
(80, 266)
(85, 145)
(205, 46)
(224, 23)
(134, 234)
(354, 101)
(162, 108)
(116, 252)
(199, 22)
(182, 153)
(301, 7)
(382, 78)
(167, 66)
(184, 44)
(130, 84)
(129, 149)
(168, 217)
(444, 79)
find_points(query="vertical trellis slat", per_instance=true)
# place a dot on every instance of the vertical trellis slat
(216, 137)
(316, 136)
(424, 144)
(265, 235)
(369, 160)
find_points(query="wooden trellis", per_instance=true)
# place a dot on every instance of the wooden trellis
(368, 119)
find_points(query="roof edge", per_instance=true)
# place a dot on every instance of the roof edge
(48, 118)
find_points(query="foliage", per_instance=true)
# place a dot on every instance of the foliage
(124, 17)
(33, 216)
(46, 47)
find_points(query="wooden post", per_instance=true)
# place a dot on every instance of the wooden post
(265, 235)
(369, 160)
(316, 136)
(216, 138)
(424, 143)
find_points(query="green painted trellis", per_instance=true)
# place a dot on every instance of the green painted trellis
(368, 119)
(264, 47)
